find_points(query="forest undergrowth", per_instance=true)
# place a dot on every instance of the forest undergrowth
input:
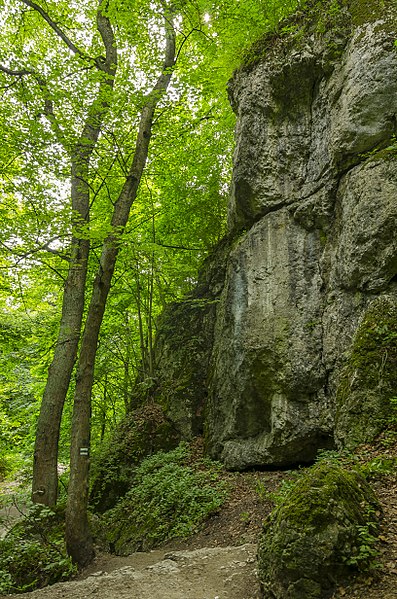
(210, 507)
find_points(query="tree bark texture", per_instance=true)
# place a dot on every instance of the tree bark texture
(45, 478)
(78, 539)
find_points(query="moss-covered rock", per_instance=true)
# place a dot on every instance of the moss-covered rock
(369, 379)
(183, 349)
(330, 21)
(143, 432)
(184, 344)
(316, 537)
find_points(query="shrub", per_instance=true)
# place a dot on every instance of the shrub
(143, 432)
(32, 555)
(171, 497)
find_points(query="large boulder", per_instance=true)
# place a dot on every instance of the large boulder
(313, 197)
(320, 534)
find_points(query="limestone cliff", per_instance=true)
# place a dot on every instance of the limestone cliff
(300, 346)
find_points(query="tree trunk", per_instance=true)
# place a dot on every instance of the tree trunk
(45, 476)
(78, 539)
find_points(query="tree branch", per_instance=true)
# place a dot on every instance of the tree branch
(14, 73)
(49, 110)
(179, 247)
(106, 32)
(45, 246)
(54, 27)
(48, 103)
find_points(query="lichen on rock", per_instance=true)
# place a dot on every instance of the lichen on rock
(313, 540)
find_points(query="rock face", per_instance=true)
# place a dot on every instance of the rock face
(312, 216)
(315, 538)
(183, 348)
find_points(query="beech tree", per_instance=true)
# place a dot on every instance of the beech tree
(83, 86)
(44, 490)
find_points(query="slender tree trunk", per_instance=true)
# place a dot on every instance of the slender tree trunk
(78, 539)
(127, 365)
(104, 408)
(45, 477)
(150, 320)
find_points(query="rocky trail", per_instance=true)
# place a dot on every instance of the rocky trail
(208, 573)
(219, 562)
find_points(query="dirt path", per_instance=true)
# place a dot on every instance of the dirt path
(215, 573)
(219, 562)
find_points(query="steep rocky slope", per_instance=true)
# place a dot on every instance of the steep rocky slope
(289, 343)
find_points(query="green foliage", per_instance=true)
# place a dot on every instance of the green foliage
(171, 496)
(326, 457)
(342, 457)
(5, 466)
(141, 433)
(290, 22)
(391, 420)
(180, 211)
(389, 424)
(18, 383)
(245, 517)
(379, 466)
(278, 496)
(32, 555)
(366, 553)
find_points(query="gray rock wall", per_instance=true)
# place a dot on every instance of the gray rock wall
(315, 190)
(312, 219)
